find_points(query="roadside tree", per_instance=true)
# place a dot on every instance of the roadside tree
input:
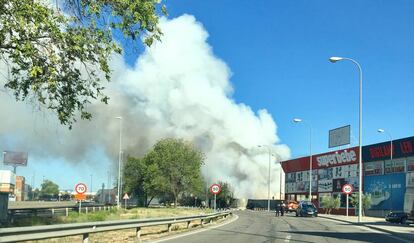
(177, 166)
(329, 203)
(48, 190)
(58, 56)
(366, 202)
(143, 180)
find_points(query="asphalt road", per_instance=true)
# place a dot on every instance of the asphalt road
(253, 226)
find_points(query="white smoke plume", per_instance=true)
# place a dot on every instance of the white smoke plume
(177, 88)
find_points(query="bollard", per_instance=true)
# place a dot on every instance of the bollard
(67, 212)
(202, 221)
(188, 224)
(169, 227)
(53, 212)
(86, 210)
(85, 238)
(138, 234)
(93, 208)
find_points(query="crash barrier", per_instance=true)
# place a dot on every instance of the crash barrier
(17, 234)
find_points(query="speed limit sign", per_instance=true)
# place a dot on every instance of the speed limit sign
(347, 189)
(80, 188)
(215, 189)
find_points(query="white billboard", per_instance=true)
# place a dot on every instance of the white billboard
(340, 136)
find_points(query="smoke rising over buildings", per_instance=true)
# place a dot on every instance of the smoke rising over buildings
(177, 88)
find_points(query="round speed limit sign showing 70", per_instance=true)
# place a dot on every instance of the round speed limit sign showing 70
(215, 189)
(80, 188)
(347, 189)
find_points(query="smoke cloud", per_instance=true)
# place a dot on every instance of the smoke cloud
(177, 88)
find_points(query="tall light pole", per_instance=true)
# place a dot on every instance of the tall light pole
(277, 158)
(268, 178)
(391, 153)
(333, 60)
(91, 185)
(119, 161)
(297, 120)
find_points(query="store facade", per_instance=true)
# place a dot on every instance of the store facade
(390, 183)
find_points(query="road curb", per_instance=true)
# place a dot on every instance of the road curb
(400, 235)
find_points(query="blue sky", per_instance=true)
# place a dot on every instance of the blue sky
(278, 53)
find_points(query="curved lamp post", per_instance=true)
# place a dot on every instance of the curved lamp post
(268, 177)
(334, 60)
(119, 161)
(297, 120)
(391, 153)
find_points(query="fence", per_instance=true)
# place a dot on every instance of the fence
(17, 234)
(17, 213)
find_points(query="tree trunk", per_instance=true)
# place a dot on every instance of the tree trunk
(149, 202)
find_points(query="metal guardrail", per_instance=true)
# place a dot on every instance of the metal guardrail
(17, 234)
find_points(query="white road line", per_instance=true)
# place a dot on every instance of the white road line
(235, 217)
(288, 237)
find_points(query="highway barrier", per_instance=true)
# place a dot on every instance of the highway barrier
(17, 234)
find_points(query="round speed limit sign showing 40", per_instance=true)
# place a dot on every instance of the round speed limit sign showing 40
(80, 188)
(215, 189)
(347, 189)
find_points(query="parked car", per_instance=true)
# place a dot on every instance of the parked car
(306, 208)
(291, 206)
(397, 217)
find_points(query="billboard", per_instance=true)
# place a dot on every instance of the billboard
(382, 151)
(15, 158)
(340, 136)
(387, 191)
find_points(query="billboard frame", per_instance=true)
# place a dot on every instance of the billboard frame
(348, 136)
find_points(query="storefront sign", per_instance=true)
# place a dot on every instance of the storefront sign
(337, 158)
(382, 151)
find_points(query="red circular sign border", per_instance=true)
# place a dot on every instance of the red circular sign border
(211, 189)
(86, 188)
(352, 189)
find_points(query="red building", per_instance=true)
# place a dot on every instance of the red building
(330, 171)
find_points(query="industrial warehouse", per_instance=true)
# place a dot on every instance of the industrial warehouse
(390, 183)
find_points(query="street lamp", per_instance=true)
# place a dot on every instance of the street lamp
(268, 178)
(333, 60)
(391, 153)
(297, 120)
(277, 158)
(119, 161)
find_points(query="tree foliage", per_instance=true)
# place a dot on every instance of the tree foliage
(48, 189)
(169, 170)
(179, 164)
(330, 203)
(366, 201)
(58, 56)
(143, 180)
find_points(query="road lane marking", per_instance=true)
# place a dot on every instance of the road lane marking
(195, 231)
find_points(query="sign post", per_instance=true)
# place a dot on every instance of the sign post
(80, 189)
(347, 189)
(215, 189)
(126, 197)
